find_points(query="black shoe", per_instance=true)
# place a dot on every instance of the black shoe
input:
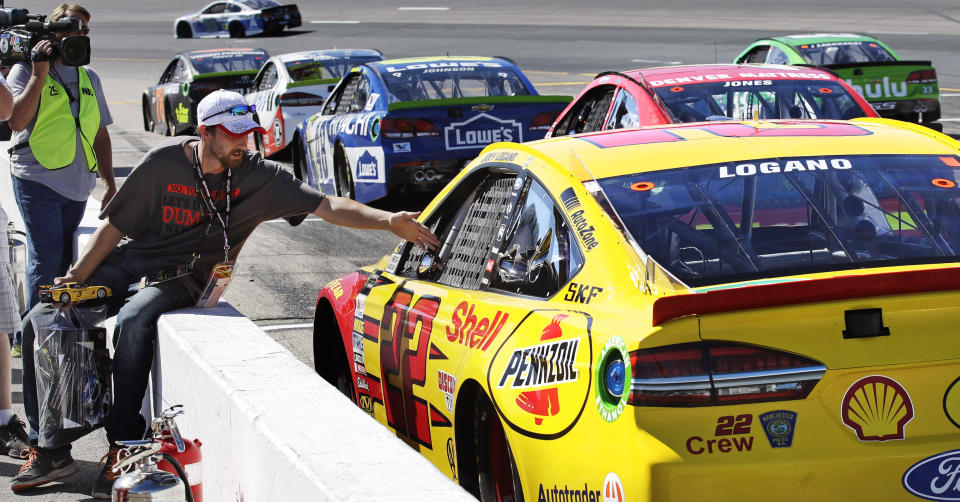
(13, 438)
(42, 467)
(103, 487)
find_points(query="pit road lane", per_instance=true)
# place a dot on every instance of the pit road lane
(560, 44)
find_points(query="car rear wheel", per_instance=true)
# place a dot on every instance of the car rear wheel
(147, 119)
(258, 144)
(342, 173)
(299, 158)
(101, 293)
(64, 297)
(170, 119)
(496, 469)
(237, 30)
(184, 31)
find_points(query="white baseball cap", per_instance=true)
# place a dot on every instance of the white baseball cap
(228, 110)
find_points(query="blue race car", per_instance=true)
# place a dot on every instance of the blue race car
(412, 124)
(237, 19)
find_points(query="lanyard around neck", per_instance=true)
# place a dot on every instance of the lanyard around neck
(203, 192)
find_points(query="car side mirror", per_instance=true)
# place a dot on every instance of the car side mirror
(511, 271)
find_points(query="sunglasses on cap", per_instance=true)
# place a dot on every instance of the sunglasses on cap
(234, 110)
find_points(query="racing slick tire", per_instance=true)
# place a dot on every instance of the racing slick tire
(496, 469)
(258, 143)
(299, 158)
(184, 31)
(147, 119)
(237, 30)
(342, 173)
(329, 357)
(168, 117)
(64, 297)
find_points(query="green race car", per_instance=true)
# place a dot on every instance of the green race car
(904, 90)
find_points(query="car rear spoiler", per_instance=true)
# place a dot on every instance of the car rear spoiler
(806, 291)
(876, 63)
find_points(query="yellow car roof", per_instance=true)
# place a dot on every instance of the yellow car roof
(614, 153)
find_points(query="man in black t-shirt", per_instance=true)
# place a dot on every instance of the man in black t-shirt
(179, 220)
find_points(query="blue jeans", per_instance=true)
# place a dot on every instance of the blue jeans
(134, 337)
(50, 220)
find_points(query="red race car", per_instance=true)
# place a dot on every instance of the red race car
(695, 93)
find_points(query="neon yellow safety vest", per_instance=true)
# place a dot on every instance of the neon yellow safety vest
(56, 127)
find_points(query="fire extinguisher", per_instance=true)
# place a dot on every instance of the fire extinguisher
(186, 453)
(142, 481)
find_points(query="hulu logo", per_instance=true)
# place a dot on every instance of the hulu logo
(882, 89)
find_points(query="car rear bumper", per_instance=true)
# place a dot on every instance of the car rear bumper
(909, 110)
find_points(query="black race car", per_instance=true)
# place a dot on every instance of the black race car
(170, 107)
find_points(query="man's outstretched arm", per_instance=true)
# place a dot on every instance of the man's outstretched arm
(350, 213)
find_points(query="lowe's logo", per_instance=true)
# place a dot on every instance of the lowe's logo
(480, 131)
(935, 478)
(367, 167)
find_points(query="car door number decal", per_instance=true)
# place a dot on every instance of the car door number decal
(403, 356)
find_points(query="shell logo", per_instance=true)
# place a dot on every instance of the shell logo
(877, 408)
(613, 488)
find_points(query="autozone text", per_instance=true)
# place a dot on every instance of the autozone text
(471, 331)
(548, 363)
(773, 167)
(693, 79)
(566, 494)
(586, 232)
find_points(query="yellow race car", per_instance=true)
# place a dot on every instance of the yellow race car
(737, 311)
(72, 292)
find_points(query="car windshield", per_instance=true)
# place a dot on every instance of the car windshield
(773, 217)
(844, 52)
(325, 67)
(213, 62)
(442, 80)
(768, 98)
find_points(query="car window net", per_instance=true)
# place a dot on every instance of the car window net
(773, 217)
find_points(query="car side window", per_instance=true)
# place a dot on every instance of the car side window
(182, 73)
(346, 97)
(360, 95)
(777, 56)
(170, 73)
(268, 78)
(589, 113)
(756, 55)
(234, 8)
(216, 8)
(624, 114)
(466, 223)
(539, 254)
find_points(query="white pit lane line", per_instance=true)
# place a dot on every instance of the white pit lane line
(423, 8)
(333, 21)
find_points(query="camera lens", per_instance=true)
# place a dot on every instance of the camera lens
(75, 51)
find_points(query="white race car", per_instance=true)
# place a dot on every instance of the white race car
(237, 19)
(291, 87)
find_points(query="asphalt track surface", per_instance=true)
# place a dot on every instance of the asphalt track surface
(560, 44)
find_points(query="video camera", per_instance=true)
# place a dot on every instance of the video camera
(20, 31)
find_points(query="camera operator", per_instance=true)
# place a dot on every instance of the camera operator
(59, 144)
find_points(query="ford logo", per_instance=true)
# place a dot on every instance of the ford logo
(935, 478)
